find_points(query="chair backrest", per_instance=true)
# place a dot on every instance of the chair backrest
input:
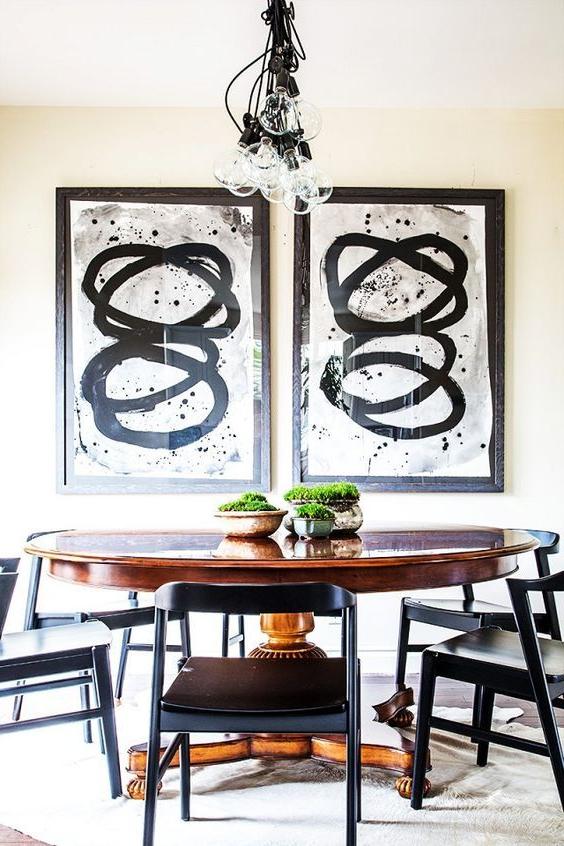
(8, 577)
(30, 616)
(519, 590)
(549, 544)
(320, 598)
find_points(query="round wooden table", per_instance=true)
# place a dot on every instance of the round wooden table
(386, 559)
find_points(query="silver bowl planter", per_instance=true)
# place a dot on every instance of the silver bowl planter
(250, 524)
(307, 527)
(348, 515)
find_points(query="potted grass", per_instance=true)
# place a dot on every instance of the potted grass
(313, 520)
(250, 516)
(341, 497)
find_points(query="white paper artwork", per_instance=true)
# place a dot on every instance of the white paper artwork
(395, 375)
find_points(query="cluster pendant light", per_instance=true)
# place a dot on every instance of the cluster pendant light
(273, 154)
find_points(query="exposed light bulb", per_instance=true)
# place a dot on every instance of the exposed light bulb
(278, 113)
(244, 190)
(309, 119)
(229, 169)
(261, 157)
(262, 165)
(294, 167)
(324, 185)
(269, 179)
(301, 203)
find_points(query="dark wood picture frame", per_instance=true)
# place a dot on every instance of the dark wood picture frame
(67, 482)
(493, 201)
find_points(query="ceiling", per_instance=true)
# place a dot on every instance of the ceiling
(363, 53)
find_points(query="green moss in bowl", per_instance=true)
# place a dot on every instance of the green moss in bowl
(332, 492)
(247, 505)
(252, 496)
(314, 511)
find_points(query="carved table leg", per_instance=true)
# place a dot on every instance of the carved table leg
(136, 787)
(394, 710)
(404, 784)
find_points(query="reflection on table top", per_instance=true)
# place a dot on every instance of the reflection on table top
(396, 542)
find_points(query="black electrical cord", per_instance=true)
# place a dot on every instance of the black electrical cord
(260, 78)
(235, 78)
(279, 17)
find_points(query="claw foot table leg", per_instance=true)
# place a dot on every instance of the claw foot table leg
(405, 783)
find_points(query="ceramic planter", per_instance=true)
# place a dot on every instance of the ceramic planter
(348, 515)
(307, 527)
(250, 524)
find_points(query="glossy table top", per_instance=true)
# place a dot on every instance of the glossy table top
(379, 545)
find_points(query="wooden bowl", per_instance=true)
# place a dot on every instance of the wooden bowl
(250, 524)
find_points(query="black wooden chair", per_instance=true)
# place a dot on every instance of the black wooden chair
(247, 694)
(81, 650)
(469, 613)
(523, 665)
(126, 619)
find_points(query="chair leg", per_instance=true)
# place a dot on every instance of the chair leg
(225, 636)
(403, 641)
(485, 722)
(29, 619)
(359, 756)
(476, 706)
(102, 674)
(185, 636)
(185, 777)
(151, 786)
(85, 705)
(99, 724)
(122, 666)
(552, 738)
(352, 786)
(424, 712)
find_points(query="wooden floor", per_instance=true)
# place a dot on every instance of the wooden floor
(449, 693)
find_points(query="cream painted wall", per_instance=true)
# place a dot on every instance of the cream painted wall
(519, 150)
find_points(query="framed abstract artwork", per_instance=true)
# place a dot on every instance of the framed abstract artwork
(399, 340)
(162, 340)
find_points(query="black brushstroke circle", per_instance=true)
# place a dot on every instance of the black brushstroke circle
(149, 340)
(425, 322)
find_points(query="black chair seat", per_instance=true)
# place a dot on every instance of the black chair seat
(472, 608)
(259, 686)
(59, 641)
(503, 649)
